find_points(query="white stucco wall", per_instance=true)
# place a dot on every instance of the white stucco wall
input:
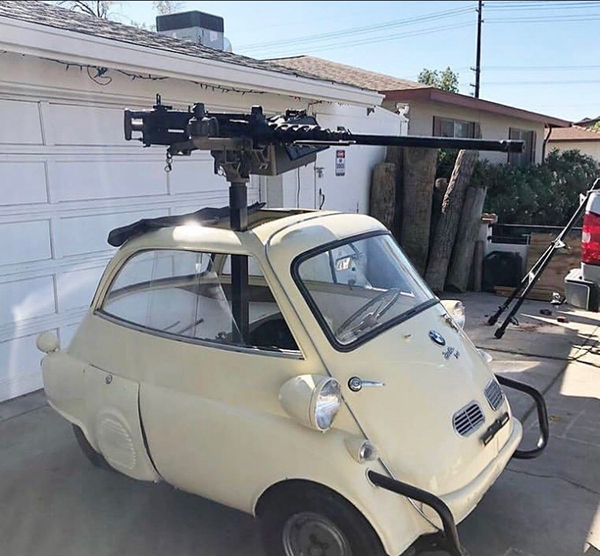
(492, 126)
(591, 148)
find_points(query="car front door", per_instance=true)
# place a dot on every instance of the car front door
(209, 405)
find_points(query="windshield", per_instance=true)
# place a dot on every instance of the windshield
(359, 286)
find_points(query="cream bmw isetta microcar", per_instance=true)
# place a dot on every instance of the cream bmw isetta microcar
(299, 370)
(352, 372)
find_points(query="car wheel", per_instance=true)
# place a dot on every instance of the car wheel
(95, 458)
(316, 522)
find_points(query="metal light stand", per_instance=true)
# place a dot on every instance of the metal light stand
(529, 280)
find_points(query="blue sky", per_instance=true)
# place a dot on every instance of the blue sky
(538, 55)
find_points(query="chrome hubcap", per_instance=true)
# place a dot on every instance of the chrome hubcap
(310, 534)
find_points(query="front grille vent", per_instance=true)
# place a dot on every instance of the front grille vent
(494, 395)
(468, 419)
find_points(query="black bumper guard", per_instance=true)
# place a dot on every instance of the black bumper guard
(542, 414)
(448, 539)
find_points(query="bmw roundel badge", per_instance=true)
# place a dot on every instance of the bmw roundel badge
(437, 338)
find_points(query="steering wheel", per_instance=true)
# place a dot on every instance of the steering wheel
(381, 304)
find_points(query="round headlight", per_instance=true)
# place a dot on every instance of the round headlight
(327, 402)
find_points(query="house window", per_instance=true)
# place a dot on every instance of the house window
(528, 154)
(444, 127)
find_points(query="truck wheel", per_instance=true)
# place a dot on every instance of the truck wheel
(316, 522)
(89, 452)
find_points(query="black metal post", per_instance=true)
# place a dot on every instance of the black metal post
(478, 55)
(238, 217)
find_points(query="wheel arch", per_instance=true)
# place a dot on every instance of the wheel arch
(298, 489)
(289, 486)
(387, 514)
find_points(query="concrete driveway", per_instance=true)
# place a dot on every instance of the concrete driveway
(54, 503)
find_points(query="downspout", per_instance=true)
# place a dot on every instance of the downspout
(545, 142)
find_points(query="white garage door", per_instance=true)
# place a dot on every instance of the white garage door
(67, 178)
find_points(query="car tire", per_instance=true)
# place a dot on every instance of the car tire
(95, 458)
(315, 520)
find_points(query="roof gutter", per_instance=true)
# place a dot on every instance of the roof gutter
(50, 42)
(456, 99)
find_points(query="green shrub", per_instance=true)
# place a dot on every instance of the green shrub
(545, 194)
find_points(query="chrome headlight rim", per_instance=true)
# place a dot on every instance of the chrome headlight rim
(326, 403)
(458, 312)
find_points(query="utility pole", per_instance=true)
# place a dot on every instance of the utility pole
(478, 56)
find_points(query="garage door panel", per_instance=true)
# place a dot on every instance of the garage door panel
(76, 288)
(26, 299)
(88, 234)
(66, 334)
(25, 242)
(19, 367)
(20, 123)
(87, 125)
(22, 183)
(190, 176)
(107, 179)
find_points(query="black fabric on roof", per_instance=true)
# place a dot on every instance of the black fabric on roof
(119, 236)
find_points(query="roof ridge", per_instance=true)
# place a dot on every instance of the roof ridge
(583, 128)
(386, 75)
(48, 15)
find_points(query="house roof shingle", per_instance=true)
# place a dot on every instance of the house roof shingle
(574, 133)
(347, 74)
(404, 90)
(41, 13)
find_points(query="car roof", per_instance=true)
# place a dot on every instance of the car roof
(188, 232)
(297, 229)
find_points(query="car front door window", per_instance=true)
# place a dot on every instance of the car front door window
(186, 294)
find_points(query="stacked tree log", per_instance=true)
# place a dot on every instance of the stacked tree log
(435, 222)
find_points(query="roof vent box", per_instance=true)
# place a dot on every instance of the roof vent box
(198, 27)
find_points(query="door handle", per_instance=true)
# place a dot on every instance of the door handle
(356, 384)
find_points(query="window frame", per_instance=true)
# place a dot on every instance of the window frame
(345, 348)
(98, 311)
(437, 124)
(518, 159)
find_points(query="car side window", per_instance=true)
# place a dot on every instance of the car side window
(188, 294)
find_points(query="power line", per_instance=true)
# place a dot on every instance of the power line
(548, 8)
(539, 68)
(350, 44)
(358, 30)
(544, 6)
(561, 82)
(562, 19)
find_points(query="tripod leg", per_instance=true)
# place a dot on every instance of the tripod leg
(536, 270)
(533, 277)
(523, 284)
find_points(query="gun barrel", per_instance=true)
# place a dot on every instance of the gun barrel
(507, 146)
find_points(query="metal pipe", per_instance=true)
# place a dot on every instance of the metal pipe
(450, 543)
(542, 413)
(346, 138)
(238, 216)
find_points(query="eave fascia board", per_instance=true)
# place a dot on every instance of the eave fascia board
(49, 42)
(464, 101)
